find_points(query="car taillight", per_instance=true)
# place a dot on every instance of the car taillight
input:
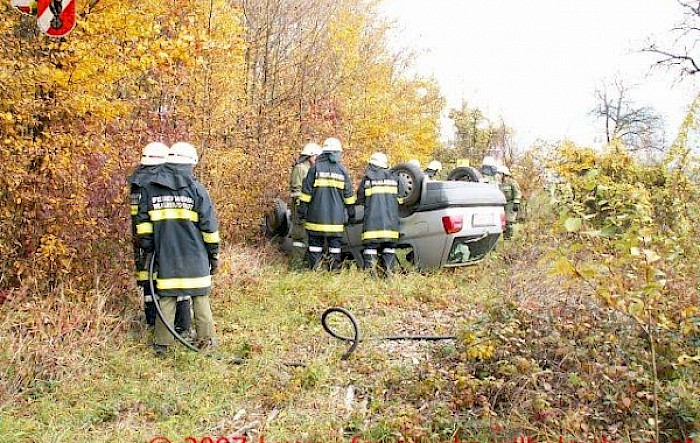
(503, 222)
(452, 223)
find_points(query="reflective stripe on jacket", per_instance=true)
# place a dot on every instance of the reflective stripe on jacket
(327, 190)
(176, 220)
(379, 191)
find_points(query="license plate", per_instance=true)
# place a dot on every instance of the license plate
(479, 220)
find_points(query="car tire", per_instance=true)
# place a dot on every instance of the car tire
(277, 222)
(465, 174)
(412, 178)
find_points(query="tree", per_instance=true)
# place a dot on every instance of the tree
(474, 133)
(683, 52)
(637, 128)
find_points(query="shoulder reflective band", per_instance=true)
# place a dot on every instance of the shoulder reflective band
(350, 200)
(144, 228)
(173, 214)
(134, 209)
(323, 228)
(184, 283)
(211, 237)
(379, 234)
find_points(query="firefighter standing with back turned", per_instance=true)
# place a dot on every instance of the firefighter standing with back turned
(379, 191)
(176, 222)
(326, 193)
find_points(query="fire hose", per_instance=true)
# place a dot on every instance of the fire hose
(356, 335)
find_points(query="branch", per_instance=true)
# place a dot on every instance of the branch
(675, 59)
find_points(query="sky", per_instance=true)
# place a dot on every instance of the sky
(537, 63)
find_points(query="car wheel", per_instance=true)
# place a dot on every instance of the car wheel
(465, 174)
(276, 220)
(412, 178)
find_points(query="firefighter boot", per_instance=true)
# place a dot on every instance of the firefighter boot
(297, 257)
(315, 257)
(336, 262)
(388, 262)
(369, 256)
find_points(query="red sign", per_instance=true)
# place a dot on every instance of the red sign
(25, 6)
(56, 18)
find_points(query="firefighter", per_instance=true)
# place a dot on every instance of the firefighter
(433, 168)
(176, 222)
(306, 160)
(379, 191)
(510, 189)
(153, 156)
(326, 194)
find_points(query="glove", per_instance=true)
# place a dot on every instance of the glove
(516, 207)
(213, 265)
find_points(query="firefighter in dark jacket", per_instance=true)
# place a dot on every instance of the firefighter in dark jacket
(325, 195)
(380, 193)
(153, 156)
(177, 223)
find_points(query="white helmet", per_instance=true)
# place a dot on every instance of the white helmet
(379, 159)
(503, 169)
(311, 149)
(489, 161)
(154, 153)
(332, 144)
(183, 153)
(435, 165)
(414, 162)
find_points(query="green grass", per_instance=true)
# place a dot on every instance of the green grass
(279, 375)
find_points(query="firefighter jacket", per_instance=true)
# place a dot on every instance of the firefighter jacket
(296, 181)
(176, 221)
(326, 192)
(379, 191)
(137, 180)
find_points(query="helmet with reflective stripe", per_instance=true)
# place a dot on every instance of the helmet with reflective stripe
(311, 149)
(183, 153)
(332, 144)
(154, 153)
(379, 159)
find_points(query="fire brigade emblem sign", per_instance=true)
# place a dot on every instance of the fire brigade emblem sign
(56, 18)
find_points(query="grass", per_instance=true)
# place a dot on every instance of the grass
(277, 374)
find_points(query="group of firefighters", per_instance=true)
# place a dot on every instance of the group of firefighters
(176, 236)
(324, 202)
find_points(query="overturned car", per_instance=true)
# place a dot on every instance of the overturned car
(442, 223)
